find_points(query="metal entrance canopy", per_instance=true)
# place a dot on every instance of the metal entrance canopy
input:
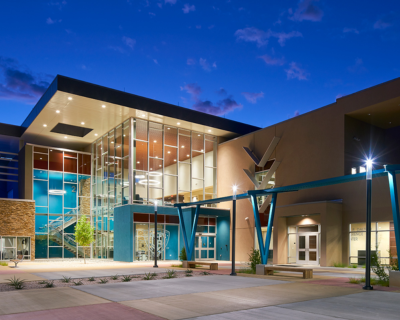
(390, 171)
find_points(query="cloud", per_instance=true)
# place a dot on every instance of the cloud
(253, 35)
(214, 64)
(198, 27)
(222, 92)
(129, 42)
(253, 96)
(385, 21)
(19, 83)
(51, 21)
(296, 113)
(358, 67)
(261, 37)
(295, 72)
(187, 8)
(204, 64)
(152, 14)
(170, 1)
(272, 61)
(190, 62)
(155, 61)
(59, 4)
(159, 5)
(221, 107)
(350, 30)
(306, 10)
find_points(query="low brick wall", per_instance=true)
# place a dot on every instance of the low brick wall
(17, 219)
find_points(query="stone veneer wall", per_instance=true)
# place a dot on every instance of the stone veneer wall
(17, 219)
(85, 192)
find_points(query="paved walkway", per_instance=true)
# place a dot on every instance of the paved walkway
(218, 296)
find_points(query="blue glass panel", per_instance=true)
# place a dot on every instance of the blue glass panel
(211, 254)
(111, 224)
(40, 224)
(197, 254)
(41, 209)
(70, 211)
(196, 242)
(69, 254)
(55, 181)
(41, 246)
(69, 224)
(202, 229)
(211, 242)
(204, 242)
(70, 195)
(55, 204)
(171, 245)
(40, 193)
(211, 229)
(55, 252)
(70, 177)
(204, 254)
(40, 174)
(105, 225)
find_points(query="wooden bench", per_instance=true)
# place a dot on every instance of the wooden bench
(19, 259)
(192, 264)
(269, 270)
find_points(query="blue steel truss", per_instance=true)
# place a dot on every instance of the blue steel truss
(189, 247)
(390, 171)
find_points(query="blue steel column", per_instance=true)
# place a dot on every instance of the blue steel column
(264, 250)
(395, 208)
(189, 247)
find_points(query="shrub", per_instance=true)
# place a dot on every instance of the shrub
(148, 276)
(170, 274)
(393, 262)
(254, 259)
(78, 283)
(205, 273)
(378, 269)
(189, 275)
(4, 264)
(91, 279)
(84, 234)
(126, 278)
(115, 277)
(17, 283)
(188, 271)
(66, 279)
(354, 280)
(49, 284)
(182, 255)
(103, 281)
(339, 265)
(176, 265)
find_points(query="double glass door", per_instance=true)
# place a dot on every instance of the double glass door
(205, 247)
(307, 248)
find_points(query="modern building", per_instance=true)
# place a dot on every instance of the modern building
(110, 155)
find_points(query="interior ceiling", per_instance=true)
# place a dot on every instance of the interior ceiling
(78, 110)
(384, 115)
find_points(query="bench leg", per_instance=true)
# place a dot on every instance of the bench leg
(308, 274)
(213, 267)
(269, 272)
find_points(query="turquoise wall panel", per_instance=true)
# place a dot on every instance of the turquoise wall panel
(55, 204)
(55, 180)
(40, 174)
(123, 234)
(40, 193)
(70, 195)
(223, 238)
(171, 250)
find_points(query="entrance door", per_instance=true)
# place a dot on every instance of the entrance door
(307, 248)
(205, 247)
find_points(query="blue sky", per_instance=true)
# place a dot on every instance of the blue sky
(258, 62)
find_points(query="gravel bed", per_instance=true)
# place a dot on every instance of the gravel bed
(85, 281)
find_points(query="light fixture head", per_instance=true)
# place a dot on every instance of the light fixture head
(57, 111)
(209, 130)
(69, 98)
(369, 162)
(178, 123)
(65, 137)
(103, 106)
(45, 125)
(82, 123)
(95, 134)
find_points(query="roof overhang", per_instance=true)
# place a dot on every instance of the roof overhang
(77, 103)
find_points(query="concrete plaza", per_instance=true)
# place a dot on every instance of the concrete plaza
(218, 296)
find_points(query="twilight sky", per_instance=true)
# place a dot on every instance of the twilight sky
(258, 62)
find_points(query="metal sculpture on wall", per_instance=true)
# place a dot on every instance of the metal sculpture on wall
(162, 242)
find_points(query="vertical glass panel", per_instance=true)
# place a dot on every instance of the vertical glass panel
(171, 242)
(125, 171)
(118, 142)
(197, 142)
(41, 224)
(40, 174)
(40, 161)
(197, 164)
(55, 203)
(155, 167)
(55, 160)
(156, 143)
(302, 255)
(126, 133)
(196, 243)
(84, 164)
(70, 165)
(312, 242)
(141, 241)
(184, 148)
(203, 254)
(302, 242)
(184, 177)
(41, 246)
(197, 190)
(210, 179)
(170, 190)
(383, 226)
(211, 153)
(211, 242)
(171, 136)
(55, 183)
(211, 229)
(155, 195)
(40, 193)
(292, 248)
(140, 190)
(140, 131)
(140, 153)
(70, 177)
(197, 254)
(312, 256)
(210, 254)
(170, 166)
(84, 186)
(383, 243)
(55, 252)
(70, 154)
(70, 196)
(41, 150)
(204, 242)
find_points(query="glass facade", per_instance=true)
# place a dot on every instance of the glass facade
(15, 247)
(61, 190)
(143, 162)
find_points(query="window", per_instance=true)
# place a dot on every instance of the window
(13, 247)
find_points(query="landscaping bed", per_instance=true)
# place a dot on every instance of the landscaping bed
(15, 283)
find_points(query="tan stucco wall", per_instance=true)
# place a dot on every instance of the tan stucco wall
(17, 219)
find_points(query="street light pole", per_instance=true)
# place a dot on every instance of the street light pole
(368, 229)
(155, 234)
(233, 273)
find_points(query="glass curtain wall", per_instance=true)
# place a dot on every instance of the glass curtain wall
(61, 190)
(110, 171)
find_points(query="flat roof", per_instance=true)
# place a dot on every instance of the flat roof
(78, 103)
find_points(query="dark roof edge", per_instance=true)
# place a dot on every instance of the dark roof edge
(11, 130)
(97, 92)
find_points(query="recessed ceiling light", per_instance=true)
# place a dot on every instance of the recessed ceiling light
(143, 115)
(209, 130)
(65, 137)
(151, 168)
(40, 158)
(198, 135)
(178, 123)
(82, 123)
(45, 125)
(168, 128)
(156, 157)
(103, 106)
(389, 122)
(155, 141)
(112, 141)
(174, 159)
(69, 98)
(57, 111)
(51, 150)
(182, 146)
(160, 165)
(369, 114)
(95, 134)
(138, 162)
(201, 150)
(188, 155)
(169, 151)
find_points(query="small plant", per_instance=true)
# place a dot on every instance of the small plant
(170, 274)
(393, 262)
(339, 265)
(42, 282)
(126, 278)
(176, 265)
(84, 234)
(354, 280)
(378, 269)
(78, 283)
(66, 279)
(188, 271)
(182, 255)
(148, 276)
(154, 274)
(254, 260)
(115, 277)
(17, 283)
(205, 273)
(354, 266)
(246, 270)
(49, 284)
(189, 275)
(103, 281)
(91, 279)
(4, 264)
